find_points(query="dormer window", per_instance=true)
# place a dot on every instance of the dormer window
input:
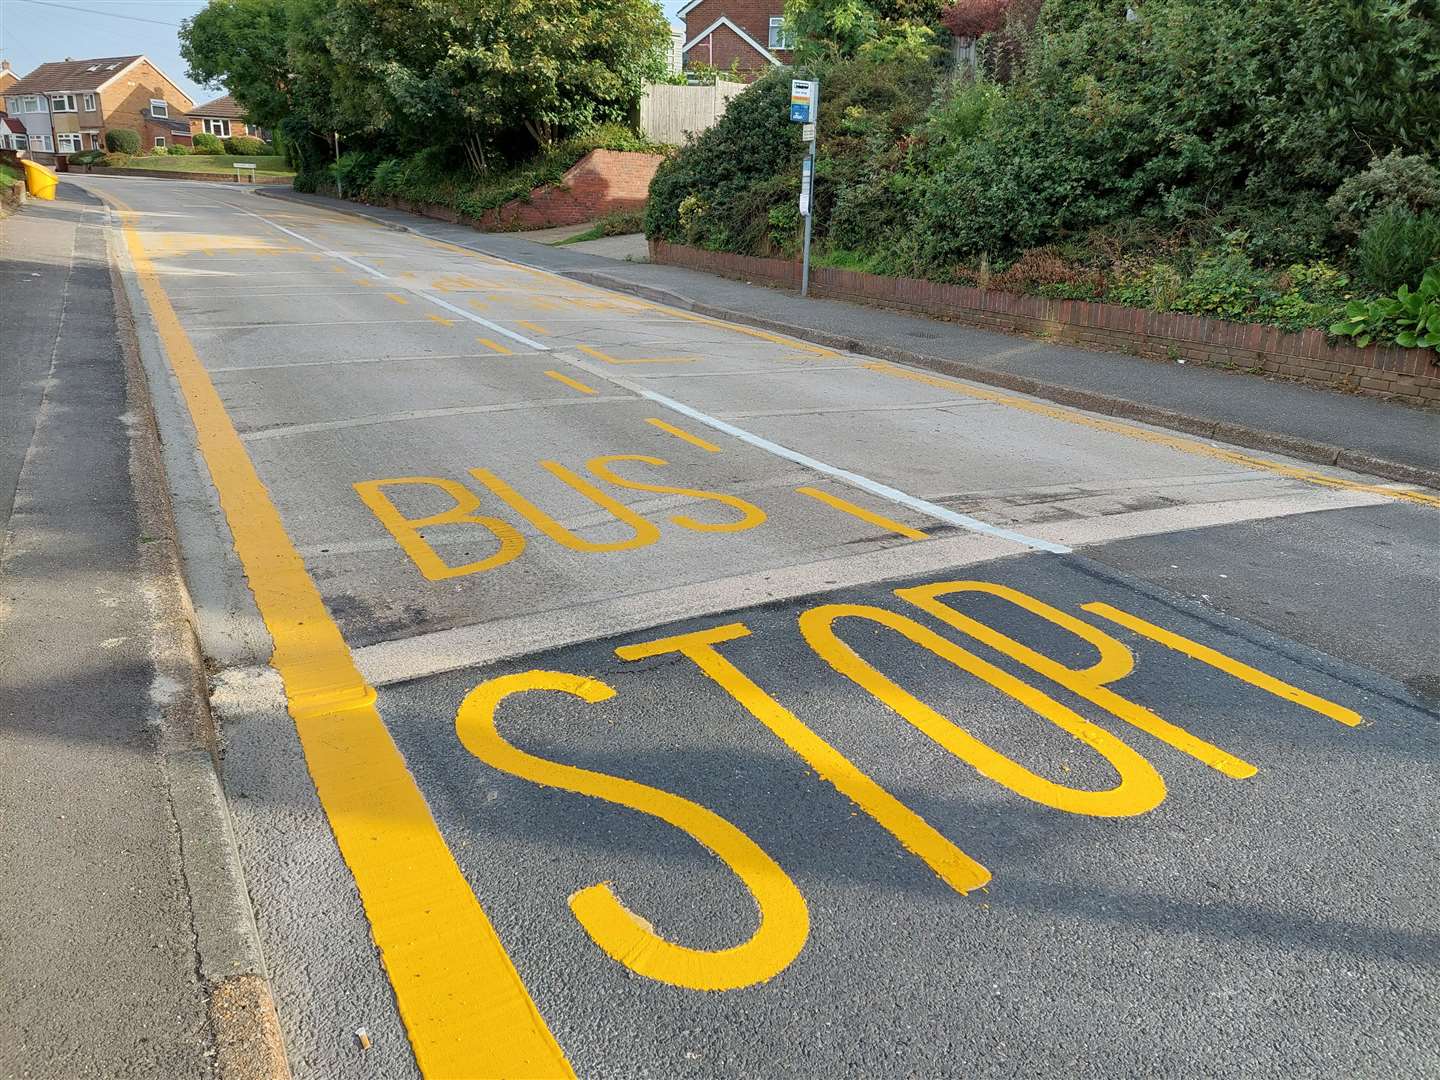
(160, 108)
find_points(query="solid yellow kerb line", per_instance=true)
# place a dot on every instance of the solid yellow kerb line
(465, 1008)
(1174, 442)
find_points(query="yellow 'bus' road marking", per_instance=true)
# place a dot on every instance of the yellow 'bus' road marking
(693, 440)
(464, 1005)
(889, 524)
(572, 383)
(1174, 442)
(501, 349)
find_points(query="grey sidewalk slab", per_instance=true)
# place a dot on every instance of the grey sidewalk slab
(1357, 432)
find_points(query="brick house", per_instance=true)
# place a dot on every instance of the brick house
(69, 105)
(223, 119)
(745, 34)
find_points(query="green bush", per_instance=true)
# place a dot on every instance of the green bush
(244, 146)
(1409, 182)
(1397, 246)
(205, 143)
(122, 141)
(179, 150)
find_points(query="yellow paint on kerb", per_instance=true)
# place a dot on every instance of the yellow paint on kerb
(1220, 662)
(916, 835)
(1091, 683)
(1140, 788)
(784, 919)
(878, 520)
(464, 1006)
(1174, 442)
(682, 434)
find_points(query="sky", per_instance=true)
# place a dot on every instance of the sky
(33, 32)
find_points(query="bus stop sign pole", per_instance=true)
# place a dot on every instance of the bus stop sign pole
(805, 109)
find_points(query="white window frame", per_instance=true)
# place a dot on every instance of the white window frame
(159, 141)
(88, 101)
(62, 103)
(160, 107)
(778, 38)
(66, 137)
(217, 127)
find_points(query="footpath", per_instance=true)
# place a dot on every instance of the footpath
(1364, 434)
(127, 944)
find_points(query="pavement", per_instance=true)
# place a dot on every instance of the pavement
(127, 948)
(608, 689)
(1244, 410)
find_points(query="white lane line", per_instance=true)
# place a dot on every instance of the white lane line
(425, 414)
(414, 289)
(845, 476)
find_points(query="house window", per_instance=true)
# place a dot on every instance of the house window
(89, 102)
(779, 39)
(218, 127)
(62, 102)
(68, 143)
(160, 107)
(159, 140)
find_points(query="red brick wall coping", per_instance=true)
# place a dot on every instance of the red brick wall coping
(166, 174)
(602, 182)
(1411, 376)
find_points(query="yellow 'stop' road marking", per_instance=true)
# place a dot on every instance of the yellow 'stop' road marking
(572, 383)
(464, 1006)
(860, 512)
(679, 433)
(1174, 442)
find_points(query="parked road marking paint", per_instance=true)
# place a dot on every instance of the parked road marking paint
(879, 520)
(574, 384)
(950, 864)
(679, 433)
(1174, 442)
(464, 1006)
(784, 923)
(1220, 662)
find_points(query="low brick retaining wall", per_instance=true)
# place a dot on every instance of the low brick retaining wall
(167, 174)
(1411, 376)
(602, 182)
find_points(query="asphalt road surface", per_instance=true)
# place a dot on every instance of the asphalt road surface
(657, 697)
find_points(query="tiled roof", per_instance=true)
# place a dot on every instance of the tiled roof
(224, 107)
(72, 75)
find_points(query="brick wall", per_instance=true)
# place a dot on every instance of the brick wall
(122, 102)
(724, 46)
(1411, 376)
(602, 182)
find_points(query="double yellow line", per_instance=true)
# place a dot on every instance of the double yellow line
(464, 1005)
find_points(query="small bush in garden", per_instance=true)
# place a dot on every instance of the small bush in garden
(205, 143)
(1409, 318)
(122, 141)
(243, 146)
(1407, 181)
(1396, 247)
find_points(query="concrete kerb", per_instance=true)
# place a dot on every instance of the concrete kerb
(1106, 404)
(243, 1020)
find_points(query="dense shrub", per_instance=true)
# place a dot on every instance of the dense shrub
(1397, 246)
(122, 141)
(205, 143)
(1409, 182)
(244, 146)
